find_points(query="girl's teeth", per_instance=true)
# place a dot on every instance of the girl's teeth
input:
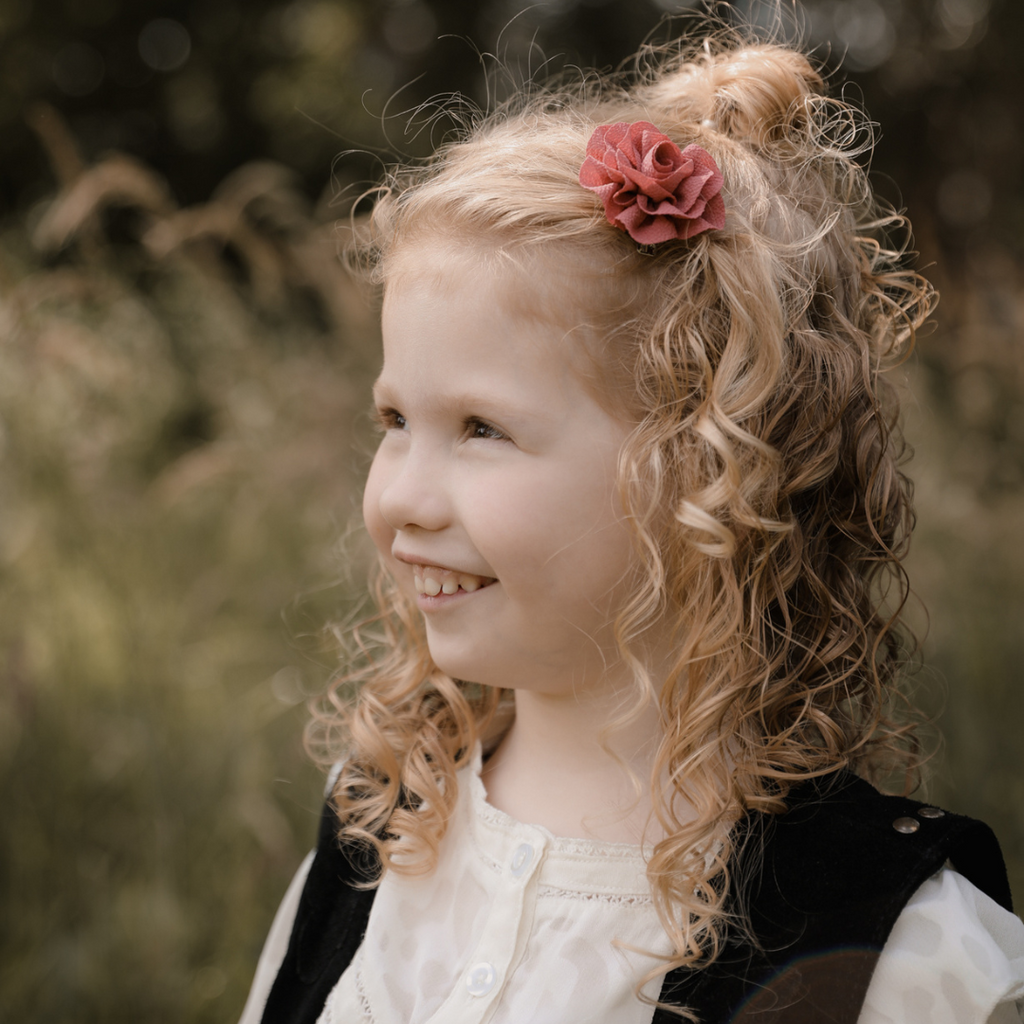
(431, 586)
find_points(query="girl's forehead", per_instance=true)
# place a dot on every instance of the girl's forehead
(477, 307)
(552, 289)
(555, 282)
(447, 268)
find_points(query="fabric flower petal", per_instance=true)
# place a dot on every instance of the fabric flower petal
(649, 187)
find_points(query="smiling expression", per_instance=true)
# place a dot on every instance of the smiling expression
(493, 496)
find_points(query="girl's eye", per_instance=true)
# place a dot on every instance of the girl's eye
(389, 419)
(482, 429)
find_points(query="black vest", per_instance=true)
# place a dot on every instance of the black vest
(822, 886)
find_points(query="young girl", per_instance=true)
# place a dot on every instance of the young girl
(639, 513)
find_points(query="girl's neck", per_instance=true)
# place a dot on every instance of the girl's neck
(556, 767)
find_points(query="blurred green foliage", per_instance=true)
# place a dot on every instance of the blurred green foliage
(178, 466)
(964, 416)
(197, 88)
(183, 373)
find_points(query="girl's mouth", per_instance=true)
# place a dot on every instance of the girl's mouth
(431, 580)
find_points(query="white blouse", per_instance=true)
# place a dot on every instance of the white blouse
(516, 924)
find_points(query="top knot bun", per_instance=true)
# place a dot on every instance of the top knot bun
(755, 93)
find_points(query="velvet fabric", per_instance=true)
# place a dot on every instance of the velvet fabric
(821, 885)
(329, 926)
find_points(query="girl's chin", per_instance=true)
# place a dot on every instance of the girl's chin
(465, 665)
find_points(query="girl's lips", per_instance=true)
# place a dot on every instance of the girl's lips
(432, 580)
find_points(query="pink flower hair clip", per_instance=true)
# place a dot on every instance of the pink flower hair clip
(650, 188)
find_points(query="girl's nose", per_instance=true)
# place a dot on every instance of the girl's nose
(414, 495)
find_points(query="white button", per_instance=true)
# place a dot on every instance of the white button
(480, 979)
(521, 859)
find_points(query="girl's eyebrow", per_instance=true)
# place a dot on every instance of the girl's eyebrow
(381, 392)
(484, 403)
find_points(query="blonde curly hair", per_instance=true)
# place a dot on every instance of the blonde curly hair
(762, 478)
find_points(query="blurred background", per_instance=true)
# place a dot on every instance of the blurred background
(183, 379)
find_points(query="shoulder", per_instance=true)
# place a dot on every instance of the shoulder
(954, 954)
(276, 946)
(822, 886)
(330, 920)
(842, 849)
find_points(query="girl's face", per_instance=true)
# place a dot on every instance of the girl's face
(495, 481)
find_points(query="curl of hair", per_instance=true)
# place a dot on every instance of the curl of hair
(762, 478)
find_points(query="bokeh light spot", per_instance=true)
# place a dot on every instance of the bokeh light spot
(410, 28)
(962, 21)
(164, 44)
(864, 29)
(286, 686)
(960, 14)
(78, 69)
(210, 983)
(317, 29)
